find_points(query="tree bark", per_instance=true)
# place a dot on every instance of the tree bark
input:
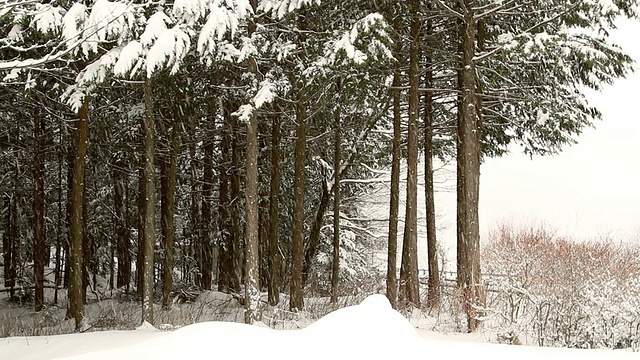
(205, 210)
(297, 245)
(275, 259)
(392, 259)
(409, 286)
(337, 158)
(193, 250)
(38, 207)
(236, 236)
(468, 176)
(122, 233)
(299, 179)
(76, 302)
(252, 238)
(168, 212)
(148, 204)
(8, 244)
(225, 246)
(141, 218)
(433, 294)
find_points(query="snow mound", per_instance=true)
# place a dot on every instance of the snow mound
(347, 331)
(372, 329)
(146, 327)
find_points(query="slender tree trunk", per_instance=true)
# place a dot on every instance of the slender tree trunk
(86, 246)
(314, 234)
(274, 214)
(141, 237)
(252, 239)
(38, 207)
(194, 208)
(122, 233)
(409, 286)
(297, 250)
(337, 158)
(299, 179)
(76, 259)
(168, 210)
(433, 295)
(236, 236)
(468, 177)
(8, 244)
(148, 203)
(392, 259)
(225, 246)
(205, 209)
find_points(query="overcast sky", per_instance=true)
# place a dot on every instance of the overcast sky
(590, 190)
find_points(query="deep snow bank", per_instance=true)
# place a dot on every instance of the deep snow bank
(369, 329)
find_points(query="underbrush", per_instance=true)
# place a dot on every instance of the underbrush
(124, 313)
(552, 291)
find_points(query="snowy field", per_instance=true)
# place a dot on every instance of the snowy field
(371, 330)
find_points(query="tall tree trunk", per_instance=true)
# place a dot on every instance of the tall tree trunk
(141, 237)
(168, 210)
(148, 203)
(8, 244)
(76, 303)
(236, 236)
(297, 246)
(38, 207)
(274, 214)
(225, 246)
(392, 259)
(252, 239)
(409, 286)
(205, 209)
(122, 232)
(468, 176)
(58, 267)
(87, 245)
(337, 158)
(312, 244)
(296, 301)
(433, 295)
(194, 208)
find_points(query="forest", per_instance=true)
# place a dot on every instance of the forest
(210, 144)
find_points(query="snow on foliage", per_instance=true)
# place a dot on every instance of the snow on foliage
(73, 22)
(280, 8)
(156, 25)
(48, 18)
(220, 21)
(368, 40)
(129, 59)
(264, 95)
(190, 11)
(15, 34)
(97, 71)
(107, 21)
(170, 48)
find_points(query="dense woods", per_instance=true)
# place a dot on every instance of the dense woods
(224, 145)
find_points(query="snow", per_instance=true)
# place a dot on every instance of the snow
(72, 22)
(370, 330)
(129, 55)
(107, 20)
(48, 18)
(264, 95)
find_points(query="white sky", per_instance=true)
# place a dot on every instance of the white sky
(590, 190)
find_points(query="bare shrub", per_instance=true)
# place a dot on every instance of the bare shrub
(563, 293)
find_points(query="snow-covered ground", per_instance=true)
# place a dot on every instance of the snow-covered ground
(371, 330)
